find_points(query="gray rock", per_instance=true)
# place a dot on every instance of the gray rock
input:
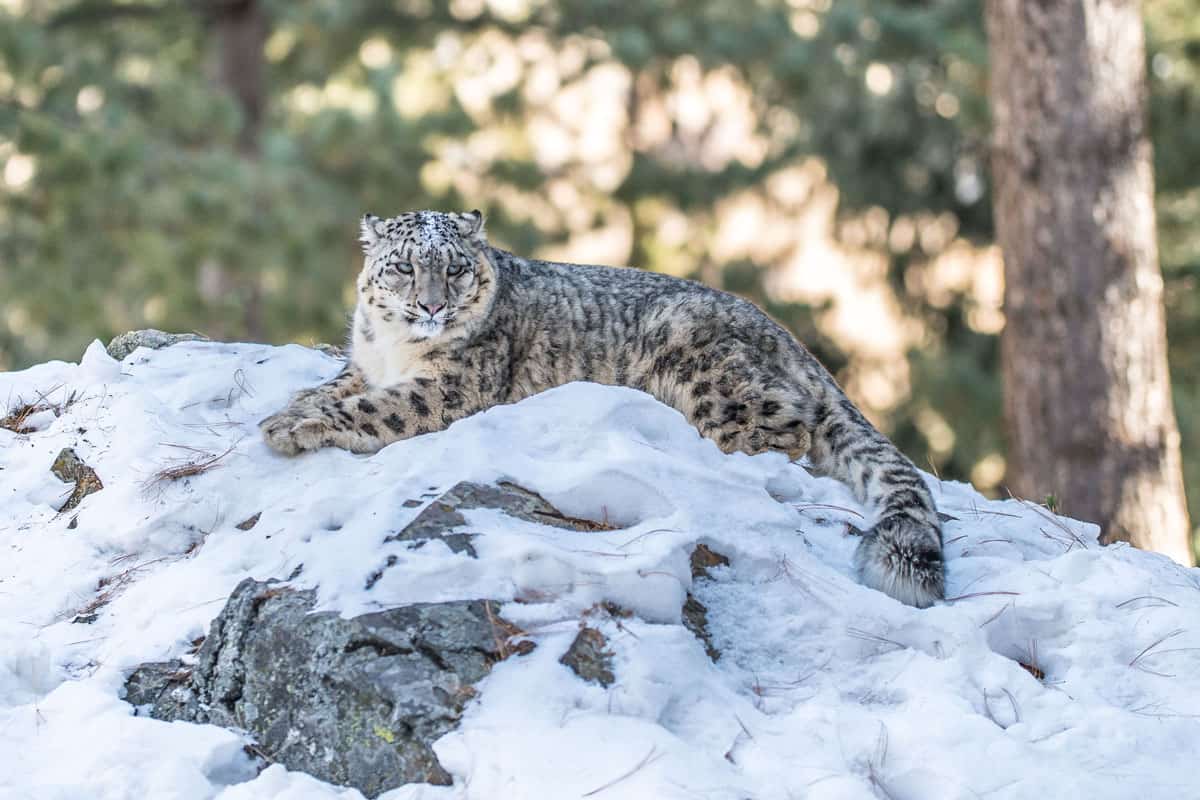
(703, 559)
(695, 613)
(249, 522)
(442, 518)
(589, 657)
(695, 619)
(360, 701)
(161, 685)
(357, 702)
(69, 468)
(121, 346)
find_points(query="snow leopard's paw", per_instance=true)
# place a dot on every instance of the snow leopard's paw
(292, 433)
(902, 557)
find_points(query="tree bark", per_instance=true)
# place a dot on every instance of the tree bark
(239, 34)
(239, 30)
(1087, 392)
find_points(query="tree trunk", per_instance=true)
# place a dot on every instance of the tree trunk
(239, 30)
(1087, 393)
(240, 33)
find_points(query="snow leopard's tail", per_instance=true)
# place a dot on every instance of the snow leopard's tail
(901, 555)
(903, 558)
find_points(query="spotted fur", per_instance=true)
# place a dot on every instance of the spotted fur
(447, 325)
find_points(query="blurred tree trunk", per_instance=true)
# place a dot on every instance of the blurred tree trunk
(239, 31)
(1087, 396)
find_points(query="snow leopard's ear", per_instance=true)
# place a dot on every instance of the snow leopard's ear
(372, 229)
(470, 226)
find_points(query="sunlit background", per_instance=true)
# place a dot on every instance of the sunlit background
(202, 166)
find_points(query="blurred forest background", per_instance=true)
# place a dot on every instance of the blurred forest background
(202, 165)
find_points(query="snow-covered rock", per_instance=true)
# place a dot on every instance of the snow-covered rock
(1057, 669)
(357, 702)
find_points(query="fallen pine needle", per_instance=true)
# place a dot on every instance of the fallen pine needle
(649, 758)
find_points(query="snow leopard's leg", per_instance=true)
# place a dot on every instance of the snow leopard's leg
(901, 555)
(347, 382)
(368, 420)
(306, 404)
(723, 389)
(749, 420)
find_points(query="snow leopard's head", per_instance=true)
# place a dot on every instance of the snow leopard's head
(425, 270)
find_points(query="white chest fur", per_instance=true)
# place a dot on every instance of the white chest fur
(388, 356)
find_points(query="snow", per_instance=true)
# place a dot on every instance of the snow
(825, 689)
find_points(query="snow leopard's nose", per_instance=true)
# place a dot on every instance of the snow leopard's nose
(431, 309)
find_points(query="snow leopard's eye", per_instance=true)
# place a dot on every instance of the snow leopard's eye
(454, 269)
(400, 265)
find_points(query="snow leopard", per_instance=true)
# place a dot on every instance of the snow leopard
(447, 325)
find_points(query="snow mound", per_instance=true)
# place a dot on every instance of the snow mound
(1057, 669)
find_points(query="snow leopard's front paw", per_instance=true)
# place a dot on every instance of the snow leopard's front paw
(902, 557)
(292, 433)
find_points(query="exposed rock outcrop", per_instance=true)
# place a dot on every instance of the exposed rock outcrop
(354, 701)
(443, 520)
(441, 517)
(361, 701)
(124, 344)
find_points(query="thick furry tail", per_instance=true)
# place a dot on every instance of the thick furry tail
(902, 557)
